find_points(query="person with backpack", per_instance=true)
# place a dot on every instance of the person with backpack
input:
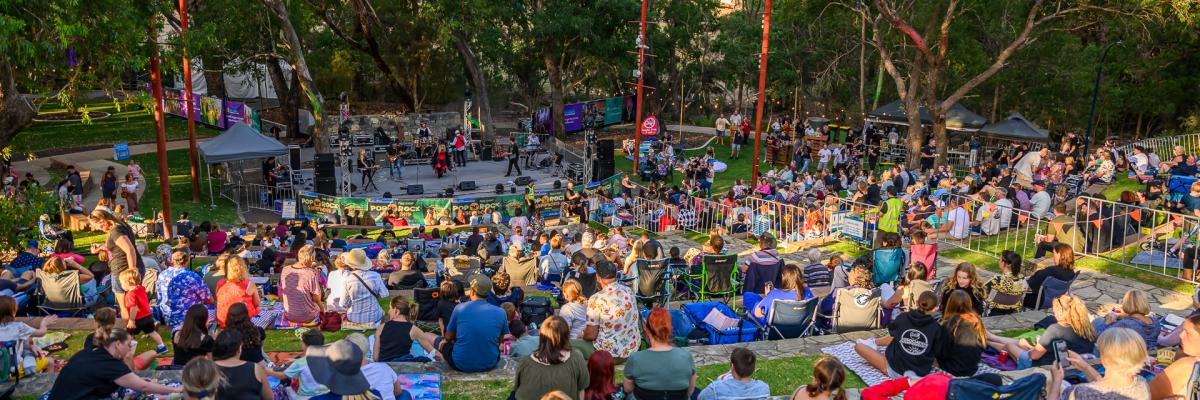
(912, 345)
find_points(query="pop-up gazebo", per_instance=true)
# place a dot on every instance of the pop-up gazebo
(239, 143)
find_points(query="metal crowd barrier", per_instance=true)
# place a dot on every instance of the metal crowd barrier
(1165, 146)
(845, 219)
(257, 196)
(993, 229)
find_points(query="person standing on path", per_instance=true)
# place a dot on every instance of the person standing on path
(514, 153)
(722, 126)
(129, 192)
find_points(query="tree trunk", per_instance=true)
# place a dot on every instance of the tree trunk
(478, 82)
(943, 142)
(554, 74)
(995, 101)
(319, 139)
(16, 114)
(862, 65)
(285, 90)
(916, 135)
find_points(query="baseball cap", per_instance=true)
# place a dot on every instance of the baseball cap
(481, 285)
(32, 243)
(606, 270)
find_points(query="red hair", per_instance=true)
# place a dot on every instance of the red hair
(658, 325)
(600, 365)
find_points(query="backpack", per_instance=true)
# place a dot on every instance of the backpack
(1027, 388)
(535, 309)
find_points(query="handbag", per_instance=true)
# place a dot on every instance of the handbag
(330, 321)
(365, 285)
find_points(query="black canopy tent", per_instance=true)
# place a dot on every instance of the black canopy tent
(958, 118)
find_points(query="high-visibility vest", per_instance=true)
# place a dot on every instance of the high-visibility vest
(890, 221)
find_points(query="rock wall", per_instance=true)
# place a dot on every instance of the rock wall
(366, 124)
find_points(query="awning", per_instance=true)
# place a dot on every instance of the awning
(957, 118)
(1016, 127)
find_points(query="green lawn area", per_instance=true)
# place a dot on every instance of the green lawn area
(131, 124)
(738, 169)
(783, 375)
(1120, 184)
(179, 171)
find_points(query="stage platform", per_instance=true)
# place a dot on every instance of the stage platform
(485, 174)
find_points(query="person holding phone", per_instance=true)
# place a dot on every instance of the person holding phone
(1072, 327)
(1123, 354)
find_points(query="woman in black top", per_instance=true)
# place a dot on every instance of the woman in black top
(394, 338)
(965, 336)
(243, 380)
(192, 340)
(98, 372)
(448, 296)
(1063, 270)
(108, 185)
(122, 254)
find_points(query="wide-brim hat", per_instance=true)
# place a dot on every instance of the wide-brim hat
(339, 367)
(357, 259)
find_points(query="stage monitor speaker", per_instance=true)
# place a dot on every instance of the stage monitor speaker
(324, 166)
(522, 180)
(499, 188)
(466, 185)
(602, 170)
(294, 158)
(557, 184)
(326, 186)
(605, 149)
(415, 189)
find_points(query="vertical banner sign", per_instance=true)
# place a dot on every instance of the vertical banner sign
(573, 117)
(614, 109)
(211, 110)
(288, 210)
(594, 113)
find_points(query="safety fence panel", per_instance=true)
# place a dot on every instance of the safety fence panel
(258, 196)
(849, 220)
(650, 215)
(1152, 240)
(1164, 146)
(993, 227)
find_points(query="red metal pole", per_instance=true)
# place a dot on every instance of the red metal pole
(160, 128)
(187, 96)
(762, 89)
(637, 128)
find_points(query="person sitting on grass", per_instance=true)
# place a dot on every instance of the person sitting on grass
(99, 372)
(192, 340)
(913, 341)
(395, 338)
(552, 366)
(200, 379)
(380, 377)
(503, 292)
(1134, 315)
(471, 340)
(965, 336)
(298, 369)
(243, 379)
(828, 382)
(737, 383)
(1071, 326)
(235, 288)
(525, 343)
(137, 306)
(252, 338)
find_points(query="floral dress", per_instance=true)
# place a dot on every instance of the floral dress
(613, 311)
(178, 290)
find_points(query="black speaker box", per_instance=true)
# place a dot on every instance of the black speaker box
(499, 188)
(415, 189)
(294, 158)
(466, 185)
(326, 186)
(602, 169)
(522, 180)
(605, 149)
(324, 166)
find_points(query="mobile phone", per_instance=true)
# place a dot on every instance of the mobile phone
(1060, 352)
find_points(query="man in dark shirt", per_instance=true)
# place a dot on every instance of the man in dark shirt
(1188, 168)
(26, 260)
(928, 155)
(514, 153)
(471, 247)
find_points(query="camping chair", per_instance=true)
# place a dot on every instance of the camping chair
(522, 272)
(790, 319)
(927, 254)
(416, 246)
(1028, 387)
(856, 309)
(996, 298)
(888, 265)
(718, 276)
(1052, 288)
(651, 282)
(60, 294)
(915, 288)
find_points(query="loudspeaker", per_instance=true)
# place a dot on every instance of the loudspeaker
(324, 166)
(499, 188)
(415, 189)
(485, 153)
(387, 195)
(294, 158)
(602, 169)
(522, 180)
(557, 184)
(326, 186)
(466, 185)
(604, 149)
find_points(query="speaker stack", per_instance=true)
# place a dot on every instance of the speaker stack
(603, 166)
(324, 178)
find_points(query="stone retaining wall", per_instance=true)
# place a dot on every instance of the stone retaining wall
(366, 124)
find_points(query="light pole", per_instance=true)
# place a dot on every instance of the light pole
(1087, 140)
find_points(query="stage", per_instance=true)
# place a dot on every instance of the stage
(485, 174)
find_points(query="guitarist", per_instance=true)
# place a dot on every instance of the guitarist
(366, 165)
(395, 169)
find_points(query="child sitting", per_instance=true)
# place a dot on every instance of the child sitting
(298, 368)
(137, 307)
(525, 343)
(737, 383)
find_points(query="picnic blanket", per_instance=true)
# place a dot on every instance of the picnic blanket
(1156, 258)
(421, 386)
(845, 353)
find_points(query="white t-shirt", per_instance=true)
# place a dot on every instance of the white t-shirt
(382, 378)
(961, 223)
(13, 331)
(824, 155)
(736, 119)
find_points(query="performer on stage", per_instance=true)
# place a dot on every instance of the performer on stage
(423, 132)
(460, 148)
(367, 166)
(441, 161)
(514, 154)
(394, 163)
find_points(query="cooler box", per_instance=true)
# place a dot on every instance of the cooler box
(746, 332)
(372, 249)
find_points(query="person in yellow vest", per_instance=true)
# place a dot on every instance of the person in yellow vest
(530, 200)
(890, 212)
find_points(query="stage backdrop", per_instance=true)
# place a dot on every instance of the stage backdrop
(333, 209)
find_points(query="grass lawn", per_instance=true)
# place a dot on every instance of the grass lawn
(179, 171)
(738, 169)
(783, 375)
(1120, 184)
(131, 124)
